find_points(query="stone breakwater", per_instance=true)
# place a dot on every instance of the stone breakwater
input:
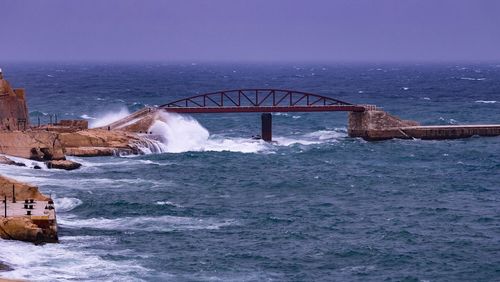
(373, 125)
(26, 214)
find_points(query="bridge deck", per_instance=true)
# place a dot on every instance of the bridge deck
(266, 109)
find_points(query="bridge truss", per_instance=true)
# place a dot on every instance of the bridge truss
(259, 100)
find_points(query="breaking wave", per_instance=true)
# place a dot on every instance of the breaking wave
(180, 134)
(65, 261)
(66, 204)
(165, 223)
(486, 102)
(473, 78)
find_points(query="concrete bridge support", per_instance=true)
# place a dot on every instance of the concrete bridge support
(267, 127)
(377, 125)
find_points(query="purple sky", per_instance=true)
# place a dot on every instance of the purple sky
(244, 30)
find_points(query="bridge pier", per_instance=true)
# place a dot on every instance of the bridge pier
(267, 127)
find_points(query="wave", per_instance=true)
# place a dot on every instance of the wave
(27, 162)
(168, 203)
(85, 116)
(486, 101)
(164, 223)
(66, 261)
(183, 134)
(472, 78)
(66, 204)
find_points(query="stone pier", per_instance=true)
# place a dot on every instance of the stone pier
(25, 213)
(375, 125)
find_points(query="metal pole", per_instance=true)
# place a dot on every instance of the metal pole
(56, 118)
(13, 193)
(50, 119)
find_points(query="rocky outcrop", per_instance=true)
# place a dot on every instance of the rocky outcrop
(20, 228)
(99, 142)
(6, 161)
(22, 190)
(63, 164)
(31, 144)
(29, 215)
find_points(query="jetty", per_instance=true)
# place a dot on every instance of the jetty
(26, 214)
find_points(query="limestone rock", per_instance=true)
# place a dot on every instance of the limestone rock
(20, 228)
(63, 164)
(22, 190)
(33, 144)
(4, 267)
(6, 161)
(99, 142)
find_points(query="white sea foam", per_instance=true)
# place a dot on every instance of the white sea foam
(109, 117)
(27, 162)
(183, 133)
(327, 134)
(168, 203)
(473, 79)
(85, 116)
(66, 261)
(66, 204)
(151, 162)
(164, 223)
(486, 101)
(180, 133)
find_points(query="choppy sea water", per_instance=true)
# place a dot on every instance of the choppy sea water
(314, 206)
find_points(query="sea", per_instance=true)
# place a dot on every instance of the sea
(315, 205)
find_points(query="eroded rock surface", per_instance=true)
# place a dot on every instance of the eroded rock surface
(31, 144)
(63, 164)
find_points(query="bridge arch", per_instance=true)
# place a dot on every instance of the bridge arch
(259, 100)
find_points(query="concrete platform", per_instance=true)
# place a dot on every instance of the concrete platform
(39, 210)
(437, 132)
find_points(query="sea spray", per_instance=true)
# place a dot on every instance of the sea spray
(109, 117)
(180, 133)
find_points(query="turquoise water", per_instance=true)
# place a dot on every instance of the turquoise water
(314, 206)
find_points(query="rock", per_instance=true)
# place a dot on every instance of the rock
(37, 167)
(22, 190)
(32, 144)
(63, 164)
(4, 267)
(20, 228)
(6, 161)
(99, 142)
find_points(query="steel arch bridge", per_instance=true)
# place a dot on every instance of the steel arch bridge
(259, 100)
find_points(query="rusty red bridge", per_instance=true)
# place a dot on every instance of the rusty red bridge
(260, 100)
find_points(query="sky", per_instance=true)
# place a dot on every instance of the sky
(250, 31)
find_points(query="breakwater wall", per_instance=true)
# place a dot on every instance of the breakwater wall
(373, 125)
